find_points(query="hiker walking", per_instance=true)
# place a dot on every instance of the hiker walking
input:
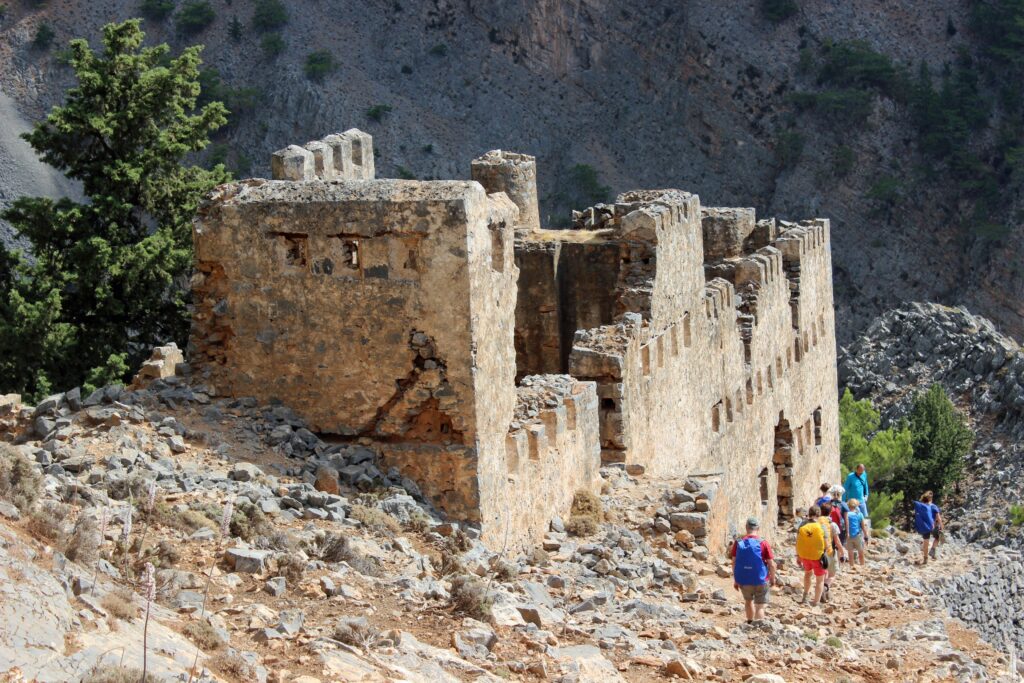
(833, 548)
(811, 543)
(753, 570)
(856, 486)
(840, 512)
(859, 534)
(826, 494)
(928, 523)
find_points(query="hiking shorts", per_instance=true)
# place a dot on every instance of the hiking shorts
(833, 565)
(928, 534)
(813, 566)
(855, 544)
(757, 594)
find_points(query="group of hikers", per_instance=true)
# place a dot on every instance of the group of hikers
(835, 529)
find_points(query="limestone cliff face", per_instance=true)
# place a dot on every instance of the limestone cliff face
(658, 94)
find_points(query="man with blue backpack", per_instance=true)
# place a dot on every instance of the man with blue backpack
(928, 523)
(753, 570)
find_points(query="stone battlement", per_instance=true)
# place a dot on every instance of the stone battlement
(498, 363)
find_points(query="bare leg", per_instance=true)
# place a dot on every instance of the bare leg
(807, 584)
(748, 606)
(924, 551)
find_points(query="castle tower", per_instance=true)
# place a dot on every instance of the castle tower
(516, 176)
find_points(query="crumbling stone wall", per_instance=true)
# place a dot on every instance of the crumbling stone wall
(726, 366)
(385, 310)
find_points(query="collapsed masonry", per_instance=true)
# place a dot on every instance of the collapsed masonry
(500, 364)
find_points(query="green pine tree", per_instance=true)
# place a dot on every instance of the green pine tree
(106, 278)
(941, 440)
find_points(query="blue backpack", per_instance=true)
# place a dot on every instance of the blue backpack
(750, 567)
(924, 517)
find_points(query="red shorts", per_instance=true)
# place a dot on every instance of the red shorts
(813, 566)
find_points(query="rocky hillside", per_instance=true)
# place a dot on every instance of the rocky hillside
(696, 95)
(908, 349)
(324, 568)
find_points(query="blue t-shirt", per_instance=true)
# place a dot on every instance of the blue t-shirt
(924, 516)
(856, 523)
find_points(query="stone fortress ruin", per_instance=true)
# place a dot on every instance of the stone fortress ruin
(500, 364)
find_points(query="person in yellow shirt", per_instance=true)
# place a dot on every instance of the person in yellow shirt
(810, 548)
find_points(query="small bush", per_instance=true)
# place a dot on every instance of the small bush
(789, 147)
(832, 641)
(120, 603)
(282, 541)
(272, 45)
(319, 65)
(374, 518)
(777, 11)
(811, 635)
(167, 555)
(292, 567)
(44, 36)
(585, 515)
(1017, 515)
(451, 563)
(378, 111)
(469, 596)
(249, 523)
(20, 481)
(195, 15)
(843, 161)
(504, 570)
(338, 548)
(439, 50)
(269, 15)
(356, 631)
(231, 666)
(582, 526)
(204, 635)
(157, 10)
(404, 173)
(118, 674)
(83, 545)
(3, 10)
(235, 30)
(45, 523)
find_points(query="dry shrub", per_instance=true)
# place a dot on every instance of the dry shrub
(167, 554)
(291, 567)
(83, 545)
(375, 518)
(120, 603)
(45, 523)
(585, 515)
(503, 569)
(356, 631)
(338, 548)
(581, 526)
(249, 523)
(451, 563)
(174, 517)
(469, 596)
(282, 541)
(231, 666)
(419, 521)
(20, 481)
(203, 635)
(459, 541)
(119, 674)
(538, 557)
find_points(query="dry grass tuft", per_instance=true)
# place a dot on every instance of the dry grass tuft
(83, 545)
(586, 514)
(338, 548)
(120, 603)
(469, 596)
(357, 632)
(203, 635)
(231, 666)
(45, 522)
(118, 674)
(374, 518)
(20, 481)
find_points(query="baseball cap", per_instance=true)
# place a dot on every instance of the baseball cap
(753, 523)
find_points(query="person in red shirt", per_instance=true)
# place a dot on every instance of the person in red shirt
(753, 570)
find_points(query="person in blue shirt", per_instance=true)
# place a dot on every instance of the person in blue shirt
(928, 523)
(857, 534)
(856, 486)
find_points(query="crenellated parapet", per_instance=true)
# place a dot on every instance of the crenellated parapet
(340, 156)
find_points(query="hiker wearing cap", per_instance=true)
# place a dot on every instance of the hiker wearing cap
(840, 511)
(811, 542)
(859, 534)
(856, 486)
(825, 496)
(753, 570)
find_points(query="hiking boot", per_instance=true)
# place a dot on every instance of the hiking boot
(931, 553)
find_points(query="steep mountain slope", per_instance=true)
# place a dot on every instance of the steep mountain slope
(693, 95)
